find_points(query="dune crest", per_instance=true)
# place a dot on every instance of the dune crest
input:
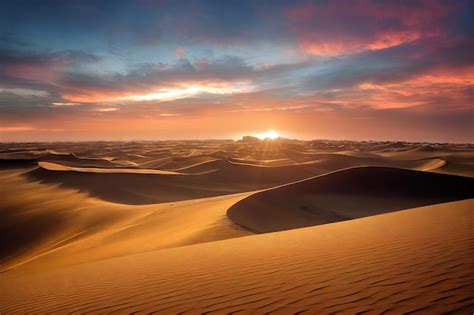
(63, 168)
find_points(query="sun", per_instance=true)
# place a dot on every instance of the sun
(271, 134)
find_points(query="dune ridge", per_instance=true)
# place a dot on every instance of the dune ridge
(63, 168)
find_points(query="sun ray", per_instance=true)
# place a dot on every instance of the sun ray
(271, 134)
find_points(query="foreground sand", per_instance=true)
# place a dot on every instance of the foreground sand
(174, 226)
(417, 260)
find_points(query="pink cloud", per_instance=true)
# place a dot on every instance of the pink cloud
(341, 27)
(31, 72)
(180, 53)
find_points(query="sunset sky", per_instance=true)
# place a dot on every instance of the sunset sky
(157, 69)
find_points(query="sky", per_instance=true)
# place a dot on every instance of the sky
(157, 69)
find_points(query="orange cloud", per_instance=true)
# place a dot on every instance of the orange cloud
(388, 40)
(92, 96)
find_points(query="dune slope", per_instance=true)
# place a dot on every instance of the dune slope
(135, 187)
(218, 177)
(344, 195)
(418, 260)
(44, 225)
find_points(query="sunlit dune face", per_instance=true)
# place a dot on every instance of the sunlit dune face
(272, 134)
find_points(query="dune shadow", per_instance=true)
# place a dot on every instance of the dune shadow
(344, 195)
(136, 188)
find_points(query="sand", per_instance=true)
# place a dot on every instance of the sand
(407, 261)
(223, 226)
(45, 226)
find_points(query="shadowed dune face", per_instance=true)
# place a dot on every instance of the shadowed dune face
(139, 188)
(345, 195)
(39, 218)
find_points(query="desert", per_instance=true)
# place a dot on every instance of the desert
(250, 225)
(236, 157)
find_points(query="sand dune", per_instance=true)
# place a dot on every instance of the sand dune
(432, 165)
(62, 168)
(417, 260)
(135, 187)
(424, 151)
(344, 195)
(67, 159)
(13, 163)
(212, 178)
(44, 225)
(124, 229)
(180, 155)
(171, 226)
(202, 167)
(462, 169)
(37, 218)
(131, 188)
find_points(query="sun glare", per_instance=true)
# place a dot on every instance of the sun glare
(272, 134)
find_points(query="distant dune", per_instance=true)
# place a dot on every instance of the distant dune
(212, 178)
(63, 168)
(142, 186)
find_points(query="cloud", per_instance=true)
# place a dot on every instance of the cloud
(11, 57)
(169, 115)
(15, 128)
(401, 76)
(24, 69)
(180, 53)
(24, 92)
(107, 109)
(63, 104)
(8, 39)
(345, 27)
(228, 74)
